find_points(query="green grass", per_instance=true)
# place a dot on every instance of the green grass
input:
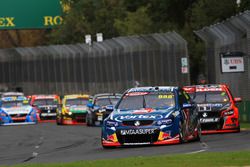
(182, 160)
(245, 126)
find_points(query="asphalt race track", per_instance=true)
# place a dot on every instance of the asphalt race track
(47, 142)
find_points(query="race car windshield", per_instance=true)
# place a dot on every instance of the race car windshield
(154, 100)
(211, 97)
(191, 95)
(106, 101)
(8, 104)
(40, 102)
(77, 101)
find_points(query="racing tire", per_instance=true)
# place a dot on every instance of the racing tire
(59, 121)
(108, 147)
(90, 121)
(238, 129)
(181, 134)
(198, 138)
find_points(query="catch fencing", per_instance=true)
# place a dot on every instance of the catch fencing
(230, 39)
(113, 65)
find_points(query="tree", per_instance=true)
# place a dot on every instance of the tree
(137, 22)
(88, 17)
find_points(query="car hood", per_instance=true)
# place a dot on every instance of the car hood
(18, 110)
(213, 106)
(143, 114)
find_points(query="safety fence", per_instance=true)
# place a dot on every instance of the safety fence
(113, 65)
(227, 55)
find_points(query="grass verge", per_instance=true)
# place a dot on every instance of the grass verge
(186, 160)
(245, 126)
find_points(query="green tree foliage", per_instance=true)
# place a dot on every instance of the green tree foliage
(137, 22)
(88, 17)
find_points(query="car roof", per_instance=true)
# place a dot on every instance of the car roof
(205, 88)
(18, 98)
(74, 96)
(7, 94)
(45, 96)
(153, 89)
(107, 95)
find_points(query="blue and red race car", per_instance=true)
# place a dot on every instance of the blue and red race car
(217, 108)
(152, 115)
(16, 111)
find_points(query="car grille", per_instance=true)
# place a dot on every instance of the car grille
(212, 126)
(210, 114)
(47, 117)
(18, 115)
(46, 111)
(139, 138)
(81, 118)
(142, 123)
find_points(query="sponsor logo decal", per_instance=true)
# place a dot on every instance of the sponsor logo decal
(131, 117)
(209, 120)
(204, 114)
(137, 131)
(137, 123)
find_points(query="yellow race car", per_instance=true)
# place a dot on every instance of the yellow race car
(73, 110)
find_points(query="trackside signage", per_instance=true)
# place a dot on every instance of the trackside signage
(232, 63)
(30, 14)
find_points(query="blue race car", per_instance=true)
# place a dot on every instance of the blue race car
(16, 111)
(152, 115)
(98, 108)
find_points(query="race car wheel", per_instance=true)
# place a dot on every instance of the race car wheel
(238, 129)
(108, 147)
(198, 138)
(181, 132)
(89, 120)
(58, 122)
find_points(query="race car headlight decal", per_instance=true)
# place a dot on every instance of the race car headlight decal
(227, 113)
(2, 114)
(32, 112)
(112, 138)
(164, 122)
(225, 107)
(110, 123)
(164, 135)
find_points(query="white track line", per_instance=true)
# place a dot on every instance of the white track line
(195, 152)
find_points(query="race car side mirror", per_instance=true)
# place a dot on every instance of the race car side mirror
(90, 105)
(109, 107)
(237, 99)
(34, 105)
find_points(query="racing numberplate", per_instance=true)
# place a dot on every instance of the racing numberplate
(137, 131)
(99, 117)
(48, 114)
(18, 118)
(209, 120)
